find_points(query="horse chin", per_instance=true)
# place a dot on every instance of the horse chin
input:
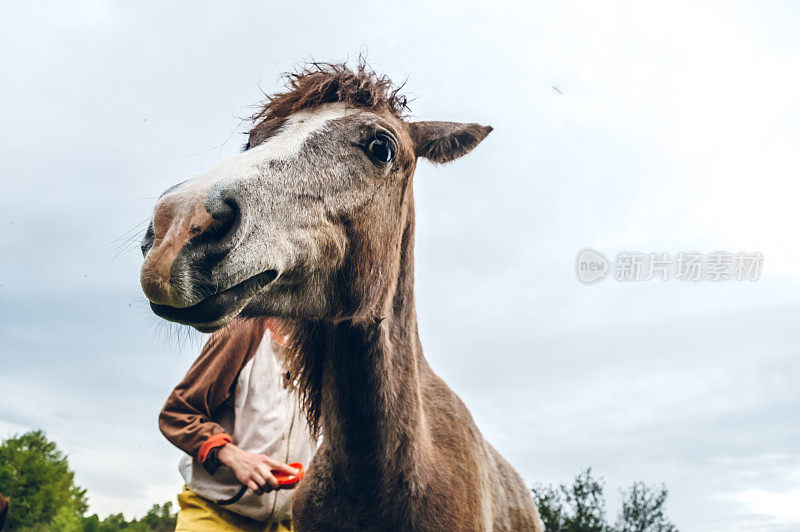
(217, 310)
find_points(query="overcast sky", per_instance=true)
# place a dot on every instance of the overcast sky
(672, 129)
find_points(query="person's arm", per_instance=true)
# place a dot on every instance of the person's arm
(187, 417)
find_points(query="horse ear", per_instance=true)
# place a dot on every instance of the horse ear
(441, 142)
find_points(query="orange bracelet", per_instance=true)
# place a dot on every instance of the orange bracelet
(217, 440)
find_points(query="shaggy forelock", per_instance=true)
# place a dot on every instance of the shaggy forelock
(320, 83)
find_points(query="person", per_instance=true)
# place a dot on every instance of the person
(3, 510)
(236, 421)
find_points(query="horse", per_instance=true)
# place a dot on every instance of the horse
(313, 225)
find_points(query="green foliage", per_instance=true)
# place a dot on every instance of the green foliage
(580, 507)
(35, 477)
(643, 510)
(160, 518)
(551, 507)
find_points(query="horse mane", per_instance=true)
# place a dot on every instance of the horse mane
(312, 85)
(303, 358)
(315, 84)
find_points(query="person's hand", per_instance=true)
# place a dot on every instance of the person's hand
(254, 470)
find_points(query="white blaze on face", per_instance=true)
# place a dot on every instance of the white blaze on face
(284, 145)
(291, 137)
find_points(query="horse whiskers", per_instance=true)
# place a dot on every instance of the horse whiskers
(130, 238)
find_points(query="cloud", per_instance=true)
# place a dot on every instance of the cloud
(784, 506)
(675, 131)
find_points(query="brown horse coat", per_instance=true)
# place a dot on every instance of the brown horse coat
(314, 225)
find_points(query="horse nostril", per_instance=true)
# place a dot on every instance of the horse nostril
(147, 240)
(225, 212)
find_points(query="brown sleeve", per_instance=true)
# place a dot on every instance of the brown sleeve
(187, 419)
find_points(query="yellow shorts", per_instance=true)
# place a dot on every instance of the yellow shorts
(197, 514)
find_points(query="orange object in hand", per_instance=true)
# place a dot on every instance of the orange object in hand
(285, 479)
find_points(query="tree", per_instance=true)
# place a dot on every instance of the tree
(586, 503)
(551, 507)
(580, 507)
(643, 510)
(576, 508)
(160, 518)
(35, 477)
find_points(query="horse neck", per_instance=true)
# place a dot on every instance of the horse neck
(371, 396)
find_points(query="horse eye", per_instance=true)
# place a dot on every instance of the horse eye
(381, 149)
